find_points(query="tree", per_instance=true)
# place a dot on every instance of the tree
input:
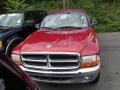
(2, 5)
(16, 5)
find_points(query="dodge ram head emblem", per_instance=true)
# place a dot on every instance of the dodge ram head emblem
(49, 46)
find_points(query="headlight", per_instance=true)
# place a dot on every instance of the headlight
(90, 61)
(1, 44)
(16, 59)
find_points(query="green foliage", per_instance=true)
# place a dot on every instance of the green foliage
(107, 12)
(2, 6)
(47, 5)
(108, 17)
(16, 5)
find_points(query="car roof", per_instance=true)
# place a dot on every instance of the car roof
(67, 10)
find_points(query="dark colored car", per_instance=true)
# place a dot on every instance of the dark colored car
(12, 77)
(15, 27)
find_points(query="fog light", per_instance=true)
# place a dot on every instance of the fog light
(87, 78)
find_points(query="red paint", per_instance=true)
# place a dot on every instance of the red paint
(83, 41)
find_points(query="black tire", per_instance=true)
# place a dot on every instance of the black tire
(96, 80)
(11, 48)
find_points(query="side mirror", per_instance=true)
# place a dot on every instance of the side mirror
(94, 22)
(37, 26)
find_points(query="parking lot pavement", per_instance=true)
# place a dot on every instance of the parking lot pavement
(110, 68)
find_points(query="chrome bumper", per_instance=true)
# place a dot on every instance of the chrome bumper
(77, 76)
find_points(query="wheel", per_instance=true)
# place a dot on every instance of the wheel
(11, 46)
(96, 80)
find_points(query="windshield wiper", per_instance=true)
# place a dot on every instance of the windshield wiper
(68, 27)
(47, 27)
(50, 29)
(55, 29)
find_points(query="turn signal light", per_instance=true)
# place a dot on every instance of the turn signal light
(1, 44)
(90, 64)
(90, 61)
(16, 59)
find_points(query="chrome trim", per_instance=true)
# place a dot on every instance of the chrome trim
(49, 68)
(48, 60)
(11, 42)
(85, 70)
(33, 60)
(64, 61)
(51, 53)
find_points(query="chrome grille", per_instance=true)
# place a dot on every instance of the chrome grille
(35, 60)
(50, 61)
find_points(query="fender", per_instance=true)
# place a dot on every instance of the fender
(11, 41)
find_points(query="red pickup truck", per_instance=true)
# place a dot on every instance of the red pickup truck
(64, 50)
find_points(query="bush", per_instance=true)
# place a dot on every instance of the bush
(16, 5)
(107, 12)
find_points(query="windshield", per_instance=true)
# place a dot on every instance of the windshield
(61, 20)
(11, 20)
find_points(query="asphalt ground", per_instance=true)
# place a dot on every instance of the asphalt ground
(110, 67)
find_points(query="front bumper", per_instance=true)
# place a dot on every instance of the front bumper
(79, 76)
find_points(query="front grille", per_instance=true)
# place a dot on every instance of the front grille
(51, 61)
(35, 60)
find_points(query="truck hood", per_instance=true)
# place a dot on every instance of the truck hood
(5, 31)
(68, 40)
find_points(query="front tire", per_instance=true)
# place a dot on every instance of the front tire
(11, 47)
(9, 52)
